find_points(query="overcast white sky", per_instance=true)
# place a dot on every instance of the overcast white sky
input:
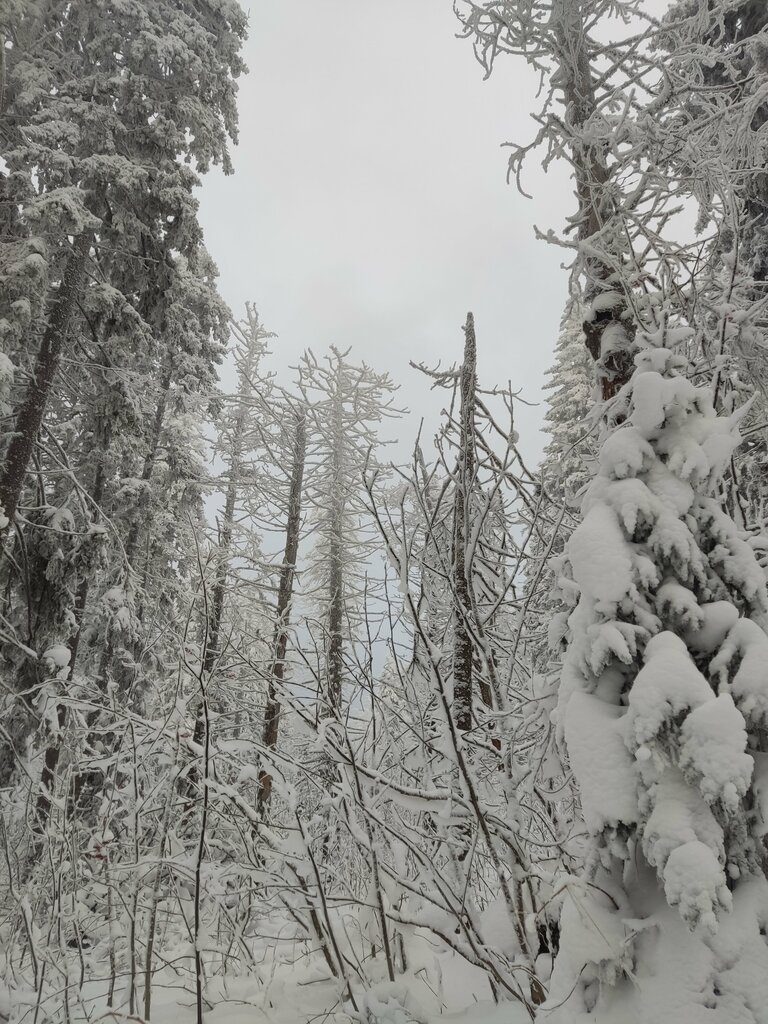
(369, 205)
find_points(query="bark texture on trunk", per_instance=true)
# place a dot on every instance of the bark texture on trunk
(212, 648)
(462, 640)
(283, 610)
(335, 649)
(30, 414)
(609, 328)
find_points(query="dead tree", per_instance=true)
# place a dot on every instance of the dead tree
(344, 403)
(462, 520)
(283, 610)
(251, 403)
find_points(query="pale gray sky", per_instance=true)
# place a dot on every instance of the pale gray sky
(369, 205)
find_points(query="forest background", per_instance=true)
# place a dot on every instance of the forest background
(300, 721)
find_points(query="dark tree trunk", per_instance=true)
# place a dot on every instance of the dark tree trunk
(462, 640)
(216, 609)
(212, 649)
(335, 648)
(84, 586)
(335, 652)
(225, 542)
(30, 415)
(283, 610)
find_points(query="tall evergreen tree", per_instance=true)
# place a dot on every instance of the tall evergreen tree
(102, 121)
(106, 114)
(568, 463)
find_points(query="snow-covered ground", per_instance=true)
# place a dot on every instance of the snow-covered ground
(288, 985)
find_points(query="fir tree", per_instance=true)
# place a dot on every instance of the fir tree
(106, 112)
(662, 712)
(567, 466)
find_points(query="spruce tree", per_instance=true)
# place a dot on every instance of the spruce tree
(568, 463)
(103, 122)
(661, 706)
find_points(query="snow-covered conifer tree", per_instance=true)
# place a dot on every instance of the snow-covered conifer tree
(97, 154)
(717, 66)
(96, 149)
(565, 469)
(568, 455)
(662, 708)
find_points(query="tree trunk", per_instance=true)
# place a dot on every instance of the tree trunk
(48, 774)
(335, 653)
(30, 415)
(84, 586)
(216, 611)
(462, 640)
(87, 781)
(608, 328)
(335, 650)
(149, 462)
(284, 595)
(53, 750)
